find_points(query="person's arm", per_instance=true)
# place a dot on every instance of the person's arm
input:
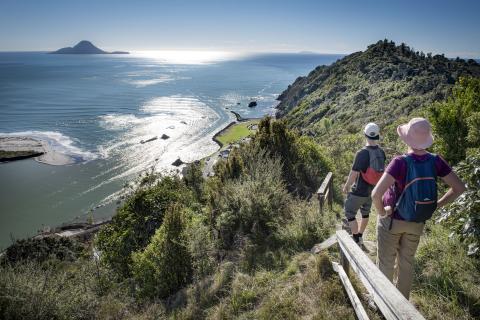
(352, 177)
(385, 182)
(457, 187)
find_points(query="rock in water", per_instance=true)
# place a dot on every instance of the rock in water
(252, 104)
(164, 137)
(177, 163)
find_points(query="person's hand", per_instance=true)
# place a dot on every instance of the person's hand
(388, 211)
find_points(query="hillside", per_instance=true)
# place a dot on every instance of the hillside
(379, 84)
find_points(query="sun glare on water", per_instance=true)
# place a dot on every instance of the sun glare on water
(187, 56)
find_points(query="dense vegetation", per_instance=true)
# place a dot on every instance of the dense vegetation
(381, 84)
(233, 245)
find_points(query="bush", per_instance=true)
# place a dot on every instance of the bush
(40, 250)
(165, 266)
(462, 216)
(33, 291)
(253, 205)
(137, 220)
(304, 163)
(193, 178)
(456, 121)
(201, 245)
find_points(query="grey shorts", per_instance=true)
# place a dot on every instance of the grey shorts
(353, 203)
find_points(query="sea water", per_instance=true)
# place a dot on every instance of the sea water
(97, 109)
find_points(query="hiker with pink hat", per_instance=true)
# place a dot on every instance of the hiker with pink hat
(406, 197)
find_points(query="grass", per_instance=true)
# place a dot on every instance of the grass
(237, 132)
(302, 289)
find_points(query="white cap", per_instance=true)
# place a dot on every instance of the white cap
(372, 131)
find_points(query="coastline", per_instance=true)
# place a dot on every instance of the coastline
(13, 148)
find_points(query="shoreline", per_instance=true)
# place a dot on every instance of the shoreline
(14, 148)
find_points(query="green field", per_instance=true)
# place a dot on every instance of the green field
(236, 132)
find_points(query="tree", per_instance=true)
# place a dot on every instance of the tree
(165, 266)
(193, 178)
(455, 121)
(137, 220)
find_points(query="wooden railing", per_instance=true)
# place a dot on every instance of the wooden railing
(391, 303)
(325, 192)
(386, 296)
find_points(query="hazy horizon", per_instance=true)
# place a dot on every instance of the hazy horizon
(342, 27)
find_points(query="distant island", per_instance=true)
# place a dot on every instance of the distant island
(85, 47)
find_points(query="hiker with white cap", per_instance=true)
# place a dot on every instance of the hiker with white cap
(366, 170)
(405, 197)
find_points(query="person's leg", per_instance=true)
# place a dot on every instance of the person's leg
(365, 211)
(388, 244)
(352, 204)
(406, 256)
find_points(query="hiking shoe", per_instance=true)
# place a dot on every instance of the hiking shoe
(360, 241)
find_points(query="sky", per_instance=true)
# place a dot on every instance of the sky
(340, 26)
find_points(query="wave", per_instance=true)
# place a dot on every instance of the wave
(57, 142)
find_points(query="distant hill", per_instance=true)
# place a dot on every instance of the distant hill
(85, 47)
(379, 84)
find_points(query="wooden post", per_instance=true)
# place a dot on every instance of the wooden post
(344, 262)
(330, 192)
(325, 192)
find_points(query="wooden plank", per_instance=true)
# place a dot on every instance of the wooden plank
(389, 300)
(356, 303)
(325, 184)
(325, 244)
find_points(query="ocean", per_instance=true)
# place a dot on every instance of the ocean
(97, 109)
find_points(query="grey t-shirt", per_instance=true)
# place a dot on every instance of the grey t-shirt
(361, 163)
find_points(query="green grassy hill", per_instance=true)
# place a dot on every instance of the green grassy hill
(379, 84)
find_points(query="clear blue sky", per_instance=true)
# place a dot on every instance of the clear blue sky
(438, 26)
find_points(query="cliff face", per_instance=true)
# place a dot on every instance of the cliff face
(379, 84)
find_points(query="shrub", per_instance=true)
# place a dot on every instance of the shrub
(456, 120)
(137, 220)
(165, 265)
(462, 216)
(304, 163)
(34, 291)
(40, 250)
(200, 245)
(193, 178)
(253, 205)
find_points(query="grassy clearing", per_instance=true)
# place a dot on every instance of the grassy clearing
(306, 288)
(237, 132)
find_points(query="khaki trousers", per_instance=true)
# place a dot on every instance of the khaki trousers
(400, 244)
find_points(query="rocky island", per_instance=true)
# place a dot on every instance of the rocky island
(85, 47)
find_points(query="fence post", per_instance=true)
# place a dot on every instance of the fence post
(330, 192)
(344, 262)
(320, 202)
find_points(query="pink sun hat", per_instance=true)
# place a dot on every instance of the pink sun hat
(417, 133)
